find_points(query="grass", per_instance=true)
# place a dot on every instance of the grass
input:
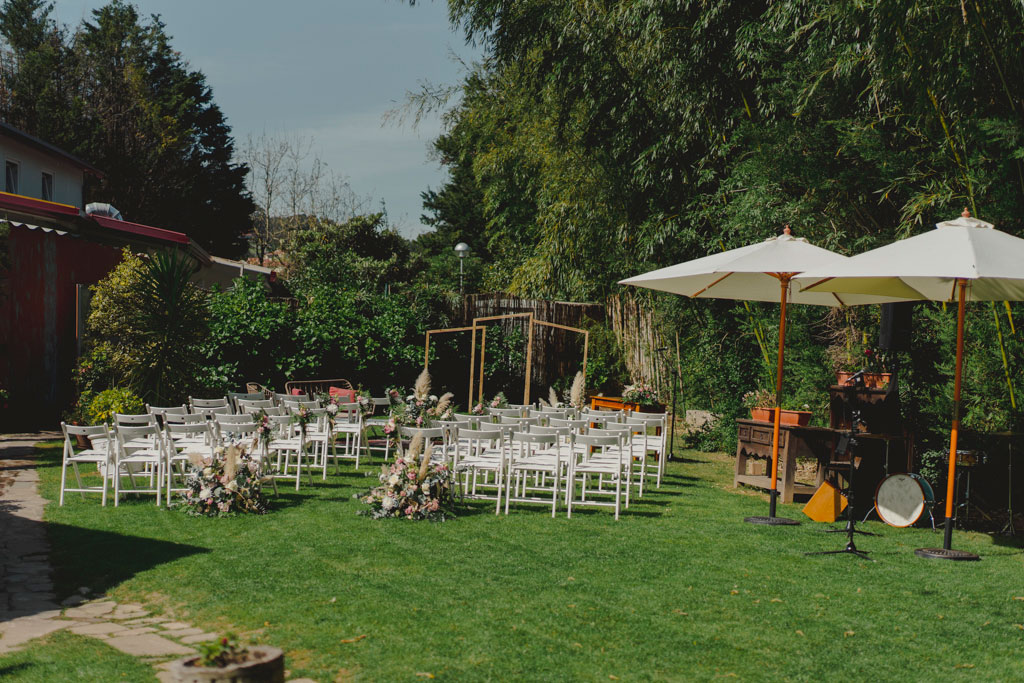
(64, 656)
(679, 588)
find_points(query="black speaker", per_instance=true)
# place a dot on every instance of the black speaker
(894, 331)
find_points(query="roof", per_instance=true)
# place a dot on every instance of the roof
(39, 207)
(44, 146)
(142, 230)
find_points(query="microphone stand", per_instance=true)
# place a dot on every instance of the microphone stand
(847, 443)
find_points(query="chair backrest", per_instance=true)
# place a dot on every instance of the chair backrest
(184, 430)
(549, 413)
(347, 413)
(234, 396)
(246, 403)
(506, 412)
(614, 438)
(314, 403)
(230, 420)
(528, 441)
(271, 410)
(524, 423)
(281, 398)
(473, 420)
(126, 433)
(425, 432)
(164, 410)
(186, 419)
(577, 426)
(134, 419)
(208, 413)
(221, 402)
(563, 432)
(91, 432)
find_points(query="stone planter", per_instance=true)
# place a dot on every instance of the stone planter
(872, 380)
(265, 665)
(800, 418)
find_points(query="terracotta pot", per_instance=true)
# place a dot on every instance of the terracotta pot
(800, 418)
(872, 380)
(265, 665)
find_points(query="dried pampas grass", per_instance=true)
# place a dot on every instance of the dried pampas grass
(552, 397)
(421, 390)
(444, 402)
(415, 447)
(577, 390)
(231, 455)
(425, 463)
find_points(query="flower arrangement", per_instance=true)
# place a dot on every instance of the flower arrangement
(499, 401)
(303, 416)
(264, 429)
(420, 408)
(640, 394)
(759, 398)
(412, 487)
(363, 398)
(229, 483)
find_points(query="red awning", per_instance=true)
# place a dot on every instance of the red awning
(37, 207)
(142, 230)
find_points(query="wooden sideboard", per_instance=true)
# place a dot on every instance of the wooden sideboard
(755, 442)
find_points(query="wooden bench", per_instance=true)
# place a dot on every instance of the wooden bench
(312, 387)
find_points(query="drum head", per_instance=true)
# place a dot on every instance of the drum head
(899, 500)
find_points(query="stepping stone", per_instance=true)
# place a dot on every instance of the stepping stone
(180, 632)
(174, 625)
(72, 601)
(132, 632)
(92, 609)
(148, 644)
(127, 612)
(199, 638)
(101, 628)
(24, 629)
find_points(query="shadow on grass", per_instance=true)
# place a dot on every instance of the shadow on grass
(13, 669)
(100, 560)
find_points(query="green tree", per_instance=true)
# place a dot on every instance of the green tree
(150, 321)
(117, 94)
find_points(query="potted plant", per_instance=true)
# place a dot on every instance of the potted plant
(642, 398)
(225, 660)
(762, 407)
(847, 363)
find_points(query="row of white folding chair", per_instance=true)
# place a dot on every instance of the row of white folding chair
(507, 462)
(124, 450)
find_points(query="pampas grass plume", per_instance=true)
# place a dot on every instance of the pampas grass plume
(444, 402)
(552, 397)
(576, 392)
(422, 387)
(425, 464)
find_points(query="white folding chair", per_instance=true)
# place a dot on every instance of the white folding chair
(657, 443)
(97, 454)
(606, 456)
(140, 451)
(258, 404)
(289, 442)
(481, 452)
(180, 440)
(541, 456)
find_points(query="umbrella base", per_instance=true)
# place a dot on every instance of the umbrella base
(946, 554)
(771, 521)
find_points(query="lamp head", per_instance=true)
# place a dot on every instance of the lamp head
(462, 249)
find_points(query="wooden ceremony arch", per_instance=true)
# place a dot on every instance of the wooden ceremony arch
(531, 322)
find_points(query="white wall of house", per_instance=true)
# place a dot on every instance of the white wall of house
(32, 163)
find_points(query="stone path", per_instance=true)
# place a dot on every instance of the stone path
(27, 607)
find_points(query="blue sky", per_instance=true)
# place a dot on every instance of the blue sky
(323, 68)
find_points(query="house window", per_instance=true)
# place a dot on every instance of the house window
(11, 184)
(47, 193)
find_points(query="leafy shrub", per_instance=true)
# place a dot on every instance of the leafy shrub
(148, 321)
(103, 406)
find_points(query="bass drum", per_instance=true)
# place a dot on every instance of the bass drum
(901, 499)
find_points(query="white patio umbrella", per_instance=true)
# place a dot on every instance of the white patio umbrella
(965, 259)
(758, 272)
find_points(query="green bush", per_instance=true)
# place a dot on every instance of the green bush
(103, 406)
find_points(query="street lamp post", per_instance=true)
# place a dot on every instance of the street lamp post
(462, 249)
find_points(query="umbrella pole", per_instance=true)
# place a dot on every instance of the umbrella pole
(778, 400)
(946, 552)
(773, 494)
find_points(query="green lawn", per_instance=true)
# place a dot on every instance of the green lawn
(679, 588)
(63, 656)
